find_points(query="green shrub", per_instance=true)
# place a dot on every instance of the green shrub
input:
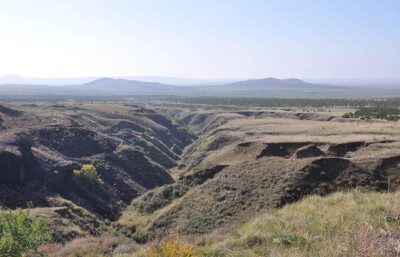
(159, 198)
(197, 168)
(348, 115)
(367, 113)
(172, 247)
(87, 176)
(290, 239)
(19, 234)
(391, 218)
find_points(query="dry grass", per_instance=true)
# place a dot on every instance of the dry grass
(287, 127)
(216, 236)
(172, 247)
(105, 246)
(94, 246)
(292, 130)
(342, 224)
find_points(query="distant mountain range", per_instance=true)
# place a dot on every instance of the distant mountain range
(275, 83)
(268, 87)
(133, 87)
(256, 87)
(20, 80)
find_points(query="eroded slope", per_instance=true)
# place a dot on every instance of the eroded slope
(246, 162)
(40, 146)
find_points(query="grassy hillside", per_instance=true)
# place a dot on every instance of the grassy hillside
(342, 224)
(352, 223)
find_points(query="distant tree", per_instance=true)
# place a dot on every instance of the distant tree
(377, 112)
(87, 176)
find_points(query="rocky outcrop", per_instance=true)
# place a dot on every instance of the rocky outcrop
(201, 176)
(9, 111)
(326, 175)
(285, 149)
(308, 151)
(343, 148)
(12, 169)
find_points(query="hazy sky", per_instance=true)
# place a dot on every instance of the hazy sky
(201, 39)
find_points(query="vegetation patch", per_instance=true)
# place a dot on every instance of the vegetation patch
(95, 247)
(341, 224)
(202, 102)
(290, 239)
(378, 112)
(87, 176)
(144, 171)
(173, 247)
(19, 234)
(159, 197)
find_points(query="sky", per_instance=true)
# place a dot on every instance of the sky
(237, 39)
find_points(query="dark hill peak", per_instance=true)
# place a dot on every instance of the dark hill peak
(111, 81)
(271, 83)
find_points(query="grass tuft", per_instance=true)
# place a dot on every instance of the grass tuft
(173, 247)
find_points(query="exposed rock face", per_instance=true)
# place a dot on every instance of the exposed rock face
(9, 111)
(12, 167)
(308, 151)
(74, 142)
(281, 149)
(343, 148)
(201, 176)
(327, 175)
(17, 164)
